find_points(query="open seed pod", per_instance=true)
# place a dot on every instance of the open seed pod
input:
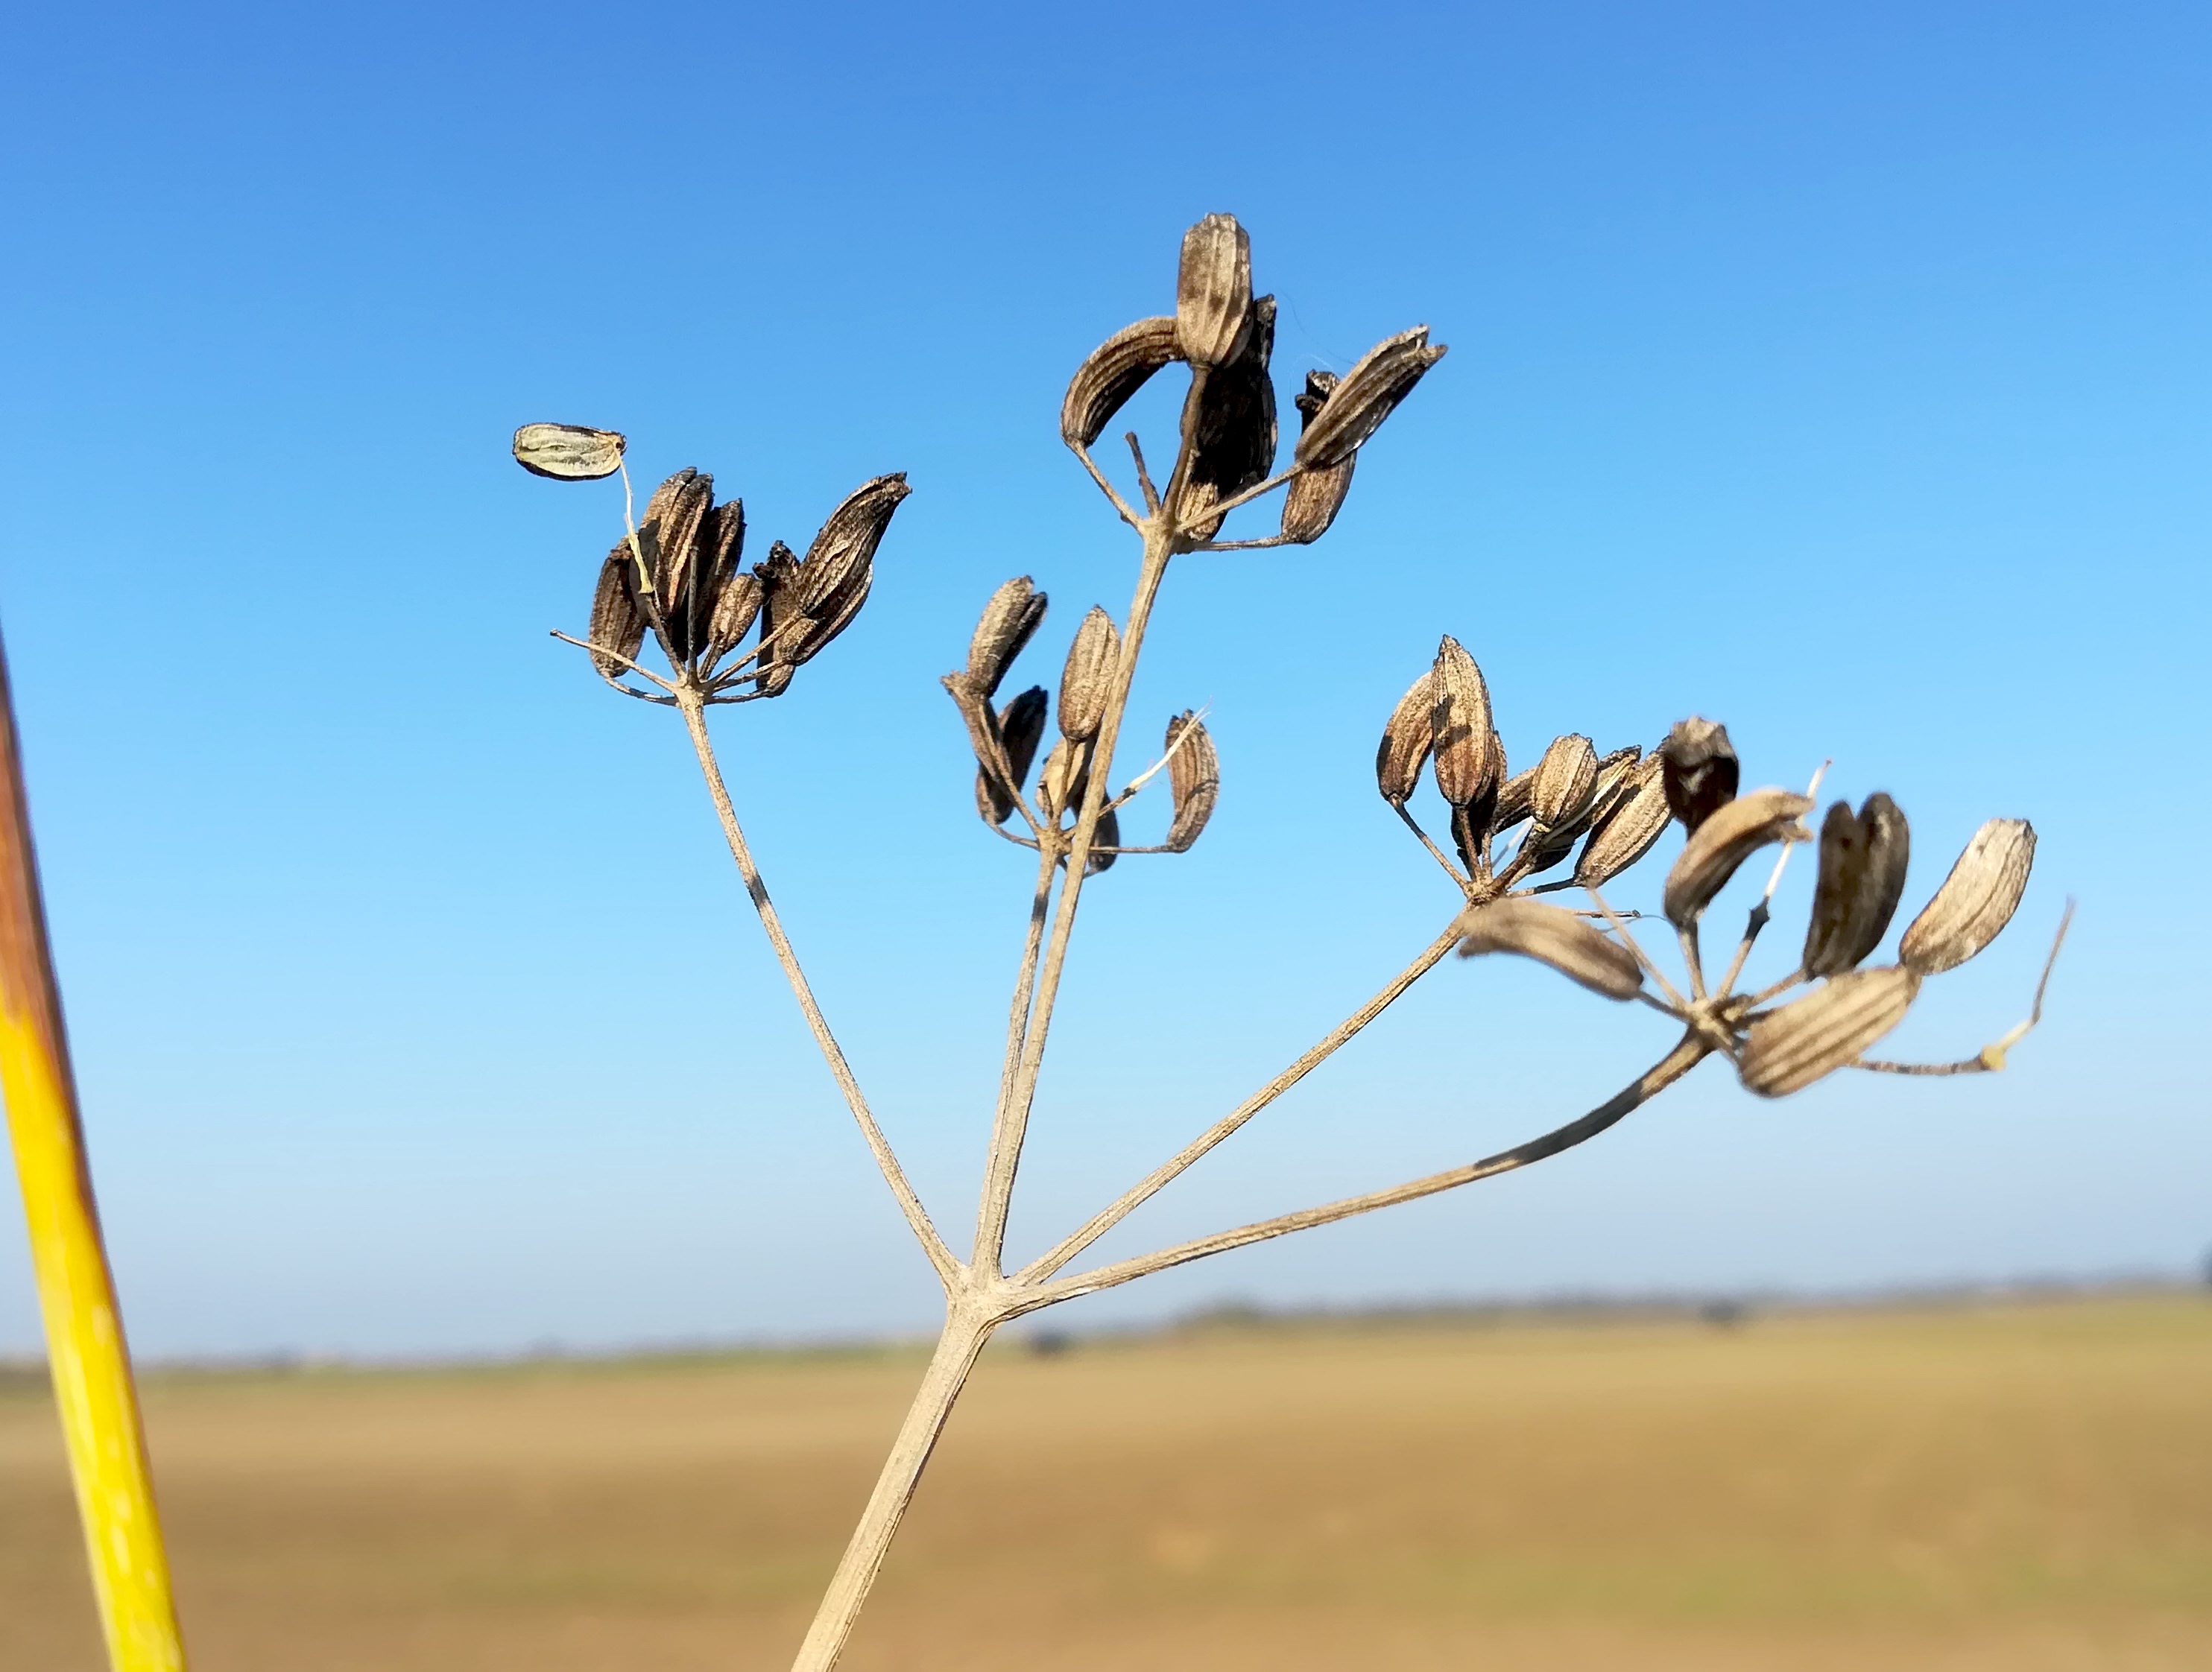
(1976, 901)
(1702, 773)
(1554, 936)
(1862, 860)
(1088, 678)
(1406, 740)
(1788, 1049)
(1194, 773)
(1723, 842)
(1117, 369)
(1010, 621)
(1213, 290)
(569, 452)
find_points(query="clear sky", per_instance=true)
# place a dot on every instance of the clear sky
(1845, 374)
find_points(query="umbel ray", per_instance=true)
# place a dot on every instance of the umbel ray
(1569, 825)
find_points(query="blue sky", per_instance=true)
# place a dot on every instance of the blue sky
(1842, 374)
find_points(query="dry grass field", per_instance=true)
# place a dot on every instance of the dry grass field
(2020, 1487)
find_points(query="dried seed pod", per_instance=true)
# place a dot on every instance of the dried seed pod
(1105, 843)
(1233, 436)
(1406, 740)
(1614, 773)
(1463, 727)
(1194, 773)
(1063, 780)
(1702, 773)
(1565, 780)
(1213, 290)
(1862, 859)
(1117, 369)
(721, 545)
(1088, 679)
(784, 626)
(569, 452)
(1976, 901)
(1723, 842)
(1788, 1049)
(1370, 392)
(841, 608)
(1009, 621)
(1313, 497)
(1625, 832)
(674, 518)
(618, 623)
(1514, 801)
(735, 612)
(845, 546)
(1019, 726)
(1553, 936)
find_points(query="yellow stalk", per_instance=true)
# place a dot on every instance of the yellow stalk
(90, 1362)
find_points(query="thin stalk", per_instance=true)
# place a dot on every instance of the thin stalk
(917, 1216)
(1017, 1012)
(1008, 1130)
(1686, 1056)
(1068, 1247)
(965, 1332)
(86, 1352)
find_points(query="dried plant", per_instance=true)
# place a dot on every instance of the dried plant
(676, 577)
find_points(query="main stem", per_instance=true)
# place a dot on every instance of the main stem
(965, 1331)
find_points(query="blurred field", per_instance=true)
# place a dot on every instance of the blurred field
(2016, 1487)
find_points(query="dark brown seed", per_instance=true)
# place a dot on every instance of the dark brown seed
(1702, 773)
(1628, 831)
(567, 452)
(721, 546)
(1462, 727)
(1116, 370)
(783, 624)
(1721, 843)
(1787, 1050)
(1087, 679)
(735, 612)
(1313, 497)
(1976, 901)
(1370, 392)
(1553, 936)
(1862, 860)
(1195, 772)
(1213, 290)
(1514, 798)
(617, 621)
(1018, 727)
(1233, 435)
(846, 544)
(1009, 621)
(1105, 840)
(1406, 740)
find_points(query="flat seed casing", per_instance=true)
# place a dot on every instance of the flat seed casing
(617, 621)
(1787, 1050)
(1862, 860)
(1462, 726)
(1723, 842)
(1702, 771)
(1554, 936)
(1406, 739)
(569, 452)
(1213, 290)
(1565, 780)
(1630, 829)
(1194, 773)
(1009, 620)
(1976, 901)
(1370, 393)
(1117, 369)
(1088, 678)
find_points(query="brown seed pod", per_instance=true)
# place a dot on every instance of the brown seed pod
(1553, 936)
(1213, 290)
(1313, 497)
(784, 626)
(1020, 726)
(1369, 394)
(1976, 901)
(721, 545)
(1862, 860)
(1009, 621)
(1117, 369)
(617, 621)
(1625, 832)
(1723, 842)
(735, 612)
(1064, 778)
(569, 452)
(1514, 801)
(1194, 773)
(1702, 773)
(1462, 727)
(842, 607)
(1564, 781)
(1787, 1050)
(1233, 436)
(1088, 678)
(1406, 740)
(846, 544)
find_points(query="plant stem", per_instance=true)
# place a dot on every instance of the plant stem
(966, 1329)
(1017, 1012)
(917, 1216)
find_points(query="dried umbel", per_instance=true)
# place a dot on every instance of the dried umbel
(1787, 1050)
(1701, 771)
(1553, 936)
(1862, 860)
(1976, 901)
(1723, 841)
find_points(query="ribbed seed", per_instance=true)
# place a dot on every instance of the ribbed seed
(1565, 780)
(735, 612)
(783, 624)
(1862, 860)
(847, 543)
(1723, 842)
(1087, 679)
(1064, 777)
(1976, 901)
(1787, 1050)
(721, 547)
(1702, 771)
(1370, 392)
(617, 621)
(1117, 369)
(1313, 497)
(1019, 726)
(1009, 621)
(567, 452)
(1213, 290)
(1553, 936)
(1194, 774)
(1626, 832)
(1462, 727)
(1406, 740)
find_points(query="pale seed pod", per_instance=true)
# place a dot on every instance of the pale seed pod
(1976, 901)
(617, 621)
(1087, 679)
(1406, 740)
(1117, 369)
(1553, 936)
(1064, 777)
(1020, 726)
(1009, 621)
(1723, 841)
(1194, 775)
(569, 452)
(1462, 727)
(1702, 771)
(1105, 841)
(1213, 290)
(1862, 860)
(1313, 497)
(1788, 1049)
(1564, 781)
(847, 543)
(1370, 392)
(1628, 832)
(735, 612)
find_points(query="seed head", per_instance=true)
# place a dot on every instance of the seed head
(1117, 369)
(569, 452)
(1194, 773)
(1976, 901)
(1553, 936)
(1009, 620)
(1465, 766)
(1088, 679)
(1721, 843)
(1788, 1049)
(1213, 290)
(1370, 392)
(1862, 859)
(1702, 771)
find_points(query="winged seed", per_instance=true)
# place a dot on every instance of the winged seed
(1976, 901)
(1553, 936)
(569, 452)
(1787, 1050)
(1723, 841)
